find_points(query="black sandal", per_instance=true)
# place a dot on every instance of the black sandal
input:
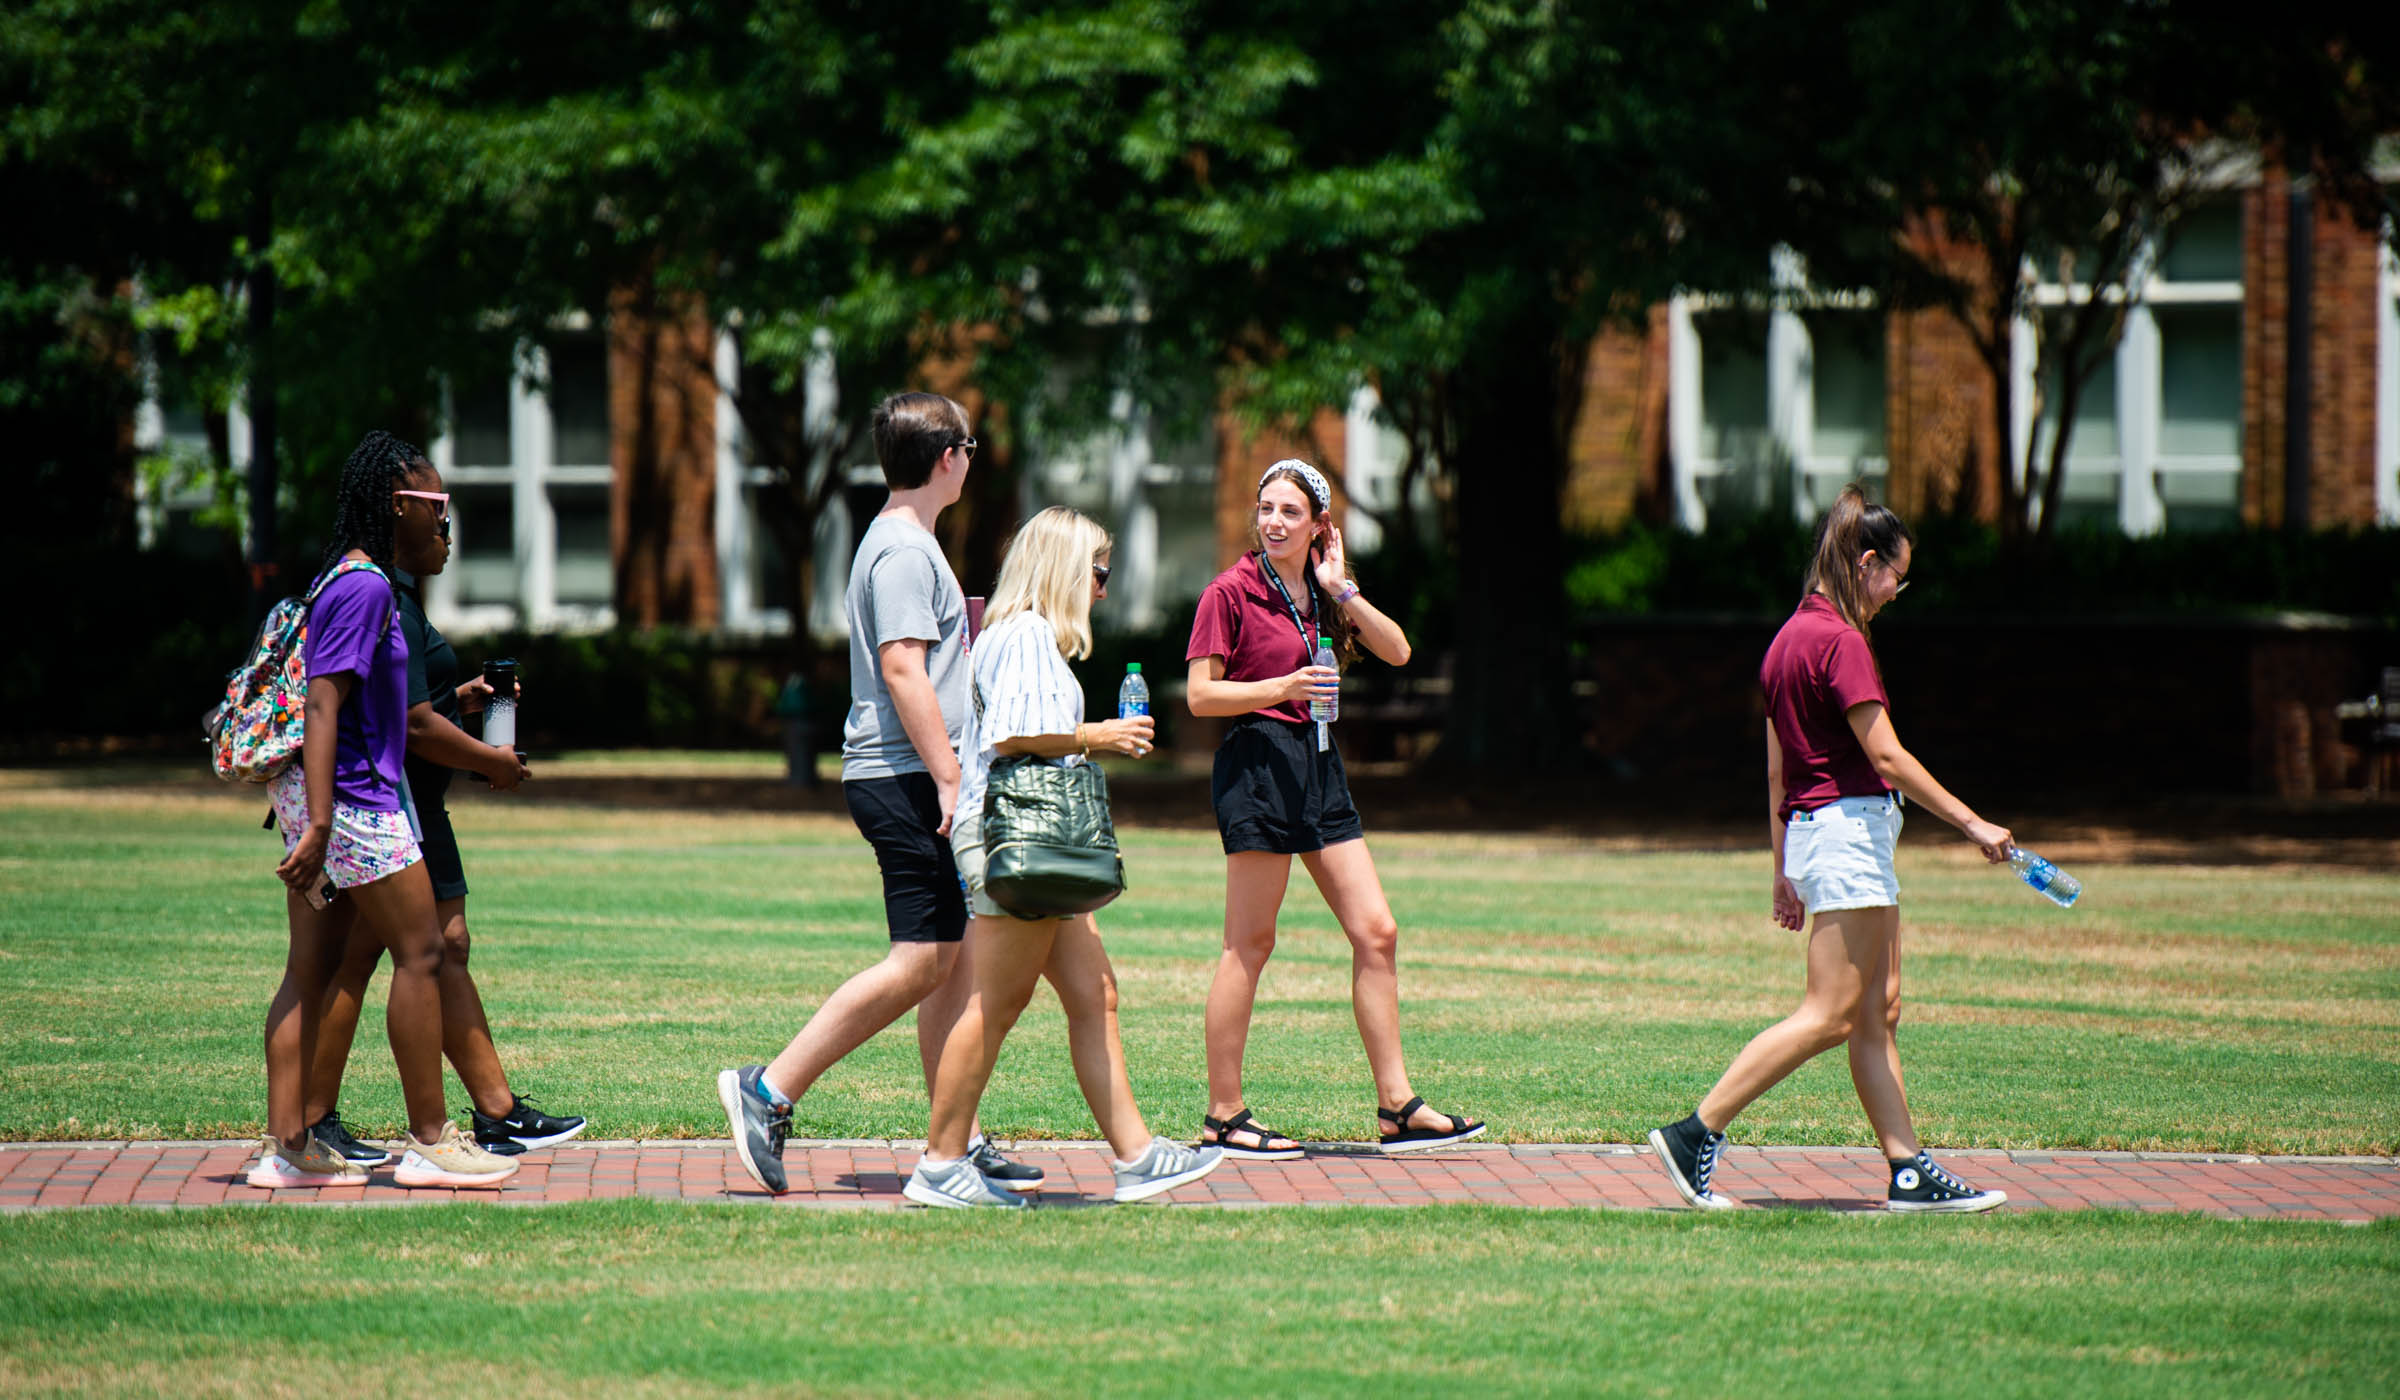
(1404, 1138)
(1261, 1135)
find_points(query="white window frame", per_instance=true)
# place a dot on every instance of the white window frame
(2139, 464)
(1791, 392)
(530, 473)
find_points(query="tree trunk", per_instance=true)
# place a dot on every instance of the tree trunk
(1511, 712)
(261, 403)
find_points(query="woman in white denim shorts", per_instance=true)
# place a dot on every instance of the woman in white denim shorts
(1029, 702)
(1833, 760)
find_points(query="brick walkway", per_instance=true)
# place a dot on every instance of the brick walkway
(37, 1176)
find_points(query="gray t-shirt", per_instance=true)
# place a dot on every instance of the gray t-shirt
(901, 589)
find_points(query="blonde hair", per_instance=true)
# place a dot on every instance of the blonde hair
(1048, 571)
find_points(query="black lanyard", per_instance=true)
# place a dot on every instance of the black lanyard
(1308, 639)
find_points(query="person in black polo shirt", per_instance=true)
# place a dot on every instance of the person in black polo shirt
(437, 746)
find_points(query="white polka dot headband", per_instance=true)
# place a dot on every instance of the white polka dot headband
(1309, 476)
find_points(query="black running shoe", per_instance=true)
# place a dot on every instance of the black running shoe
(1001, 1172)
(1689, 1153)
(335, 1135)
(523, 1128)
(1922, 1185)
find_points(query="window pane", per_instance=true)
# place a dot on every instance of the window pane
(2200, 372)
(2095, 414)
(586, 570)
(771, 571)
(2207, 245)
(480, 436)
(579, 401)
(1733, 386)
(483, 543)
(1847, 380)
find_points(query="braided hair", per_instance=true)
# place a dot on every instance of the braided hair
(362, 503)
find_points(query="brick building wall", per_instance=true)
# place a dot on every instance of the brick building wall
(1617, 450)
(2341, 360)
(662, 414)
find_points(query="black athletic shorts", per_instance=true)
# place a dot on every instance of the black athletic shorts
(1274, 792)
(923, 900)
(440, 845)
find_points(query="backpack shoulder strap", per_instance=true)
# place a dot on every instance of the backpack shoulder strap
(391, 612)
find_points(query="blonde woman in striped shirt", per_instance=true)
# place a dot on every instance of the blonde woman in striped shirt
(1038, 619)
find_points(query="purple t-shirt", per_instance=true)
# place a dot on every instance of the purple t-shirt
(350, 633)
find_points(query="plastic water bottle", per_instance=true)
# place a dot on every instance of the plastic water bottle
(2056, 885)
(1329, 709)
(1133, 695)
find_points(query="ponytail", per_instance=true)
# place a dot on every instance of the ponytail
(1852, 527)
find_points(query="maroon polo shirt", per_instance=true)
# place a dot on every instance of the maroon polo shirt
(1817, 667)
(1243, 619)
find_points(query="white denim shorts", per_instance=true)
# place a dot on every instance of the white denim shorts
(1839, 856)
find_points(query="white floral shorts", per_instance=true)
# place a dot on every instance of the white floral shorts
(365, 845)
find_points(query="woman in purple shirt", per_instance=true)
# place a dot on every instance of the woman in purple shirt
(1833, 761)
(348, 834)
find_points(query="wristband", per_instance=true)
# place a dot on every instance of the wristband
(1349, 591)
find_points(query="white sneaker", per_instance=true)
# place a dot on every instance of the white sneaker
(450, 1160)
(316, 1166)
(1162, 1167)
(955, 1183)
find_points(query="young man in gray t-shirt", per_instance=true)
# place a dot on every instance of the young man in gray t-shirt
(908, 703)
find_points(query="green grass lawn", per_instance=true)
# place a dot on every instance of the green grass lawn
(1563, 990)
(642, 1297)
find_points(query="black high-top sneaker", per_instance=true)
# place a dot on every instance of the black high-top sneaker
(1689, 1151)
(1922, 1185)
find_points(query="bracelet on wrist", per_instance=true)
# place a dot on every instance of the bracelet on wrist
(1349, 591)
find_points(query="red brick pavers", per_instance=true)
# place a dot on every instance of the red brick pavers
(850, 1175)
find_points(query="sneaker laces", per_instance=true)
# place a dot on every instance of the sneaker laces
(1935, 1173)
(1704, 1162)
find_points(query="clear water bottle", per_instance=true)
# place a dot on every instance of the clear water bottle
(1329, 709)
(1133, 695)
(2056, 885)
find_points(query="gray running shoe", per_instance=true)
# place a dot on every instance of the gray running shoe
(759, 1127)
(955, 1183)
(1005, 1174)
(1923, 1186)
(1162, 1167)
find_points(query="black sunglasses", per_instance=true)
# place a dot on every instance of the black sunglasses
(1100, 574)
(967, 444)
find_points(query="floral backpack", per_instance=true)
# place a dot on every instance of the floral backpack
(254, 734)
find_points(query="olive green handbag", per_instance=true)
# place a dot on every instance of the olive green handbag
(1049, 847)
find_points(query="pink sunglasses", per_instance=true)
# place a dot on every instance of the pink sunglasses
(439, 498)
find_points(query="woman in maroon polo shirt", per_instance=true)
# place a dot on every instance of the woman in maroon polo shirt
(1833, 760)
(1277, 795)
